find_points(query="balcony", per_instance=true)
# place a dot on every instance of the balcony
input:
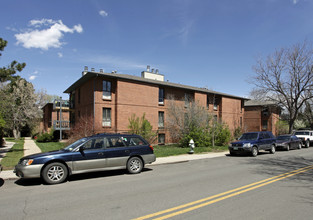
(65, 105)
(65, 125)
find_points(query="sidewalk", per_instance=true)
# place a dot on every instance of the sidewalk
(31, 148)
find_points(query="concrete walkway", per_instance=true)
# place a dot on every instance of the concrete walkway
(30, 147)
(5, 149)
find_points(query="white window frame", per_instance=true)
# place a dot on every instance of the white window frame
(107, 88)
(161, 96)
(161, 119)
(106, 117)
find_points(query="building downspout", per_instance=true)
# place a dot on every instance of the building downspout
(94, 102)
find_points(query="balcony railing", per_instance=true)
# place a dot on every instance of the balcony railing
(65, 104)
(65, 125)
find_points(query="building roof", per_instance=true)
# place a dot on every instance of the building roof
(259, 103)
(89, 75)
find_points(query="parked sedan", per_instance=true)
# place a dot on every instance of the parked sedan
(288, 142)
(94, 153)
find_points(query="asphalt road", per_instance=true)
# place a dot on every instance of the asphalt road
(266, 187)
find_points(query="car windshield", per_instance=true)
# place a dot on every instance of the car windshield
(72, 146)
(283, 138)
(301, 133)
(249, 136)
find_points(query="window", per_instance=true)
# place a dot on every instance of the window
(240, 122)
(207, 101)
(188, 99)
(161, 96)
(134, 141)
(216, 103)
(264, 124)
(161, 119)
(161, 139)
(79, 96)
(117, 142)
(106, 117)
(106, 90)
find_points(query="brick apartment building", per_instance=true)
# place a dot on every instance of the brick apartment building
(52, 117)
(109, 100)
(261, 116)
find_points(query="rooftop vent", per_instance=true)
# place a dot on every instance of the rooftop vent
(85, 70)
(152, 75)
(101, 70)
(92, 69)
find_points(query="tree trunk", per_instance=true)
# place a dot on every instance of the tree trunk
(16, 133)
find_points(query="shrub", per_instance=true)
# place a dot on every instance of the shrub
(223, 136)
(47, 137)
(220, 134)
(237, 133)
(200, 137)
(141, 126)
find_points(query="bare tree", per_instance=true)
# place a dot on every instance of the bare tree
(182, 119)
(44, 98)
(286, 77)
(83, 128)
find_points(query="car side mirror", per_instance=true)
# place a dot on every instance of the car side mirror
(81, 150)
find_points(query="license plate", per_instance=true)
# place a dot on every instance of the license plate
(235, 148)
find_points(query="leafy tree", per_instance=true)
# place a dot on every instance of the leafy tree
(2, 125)
(141, 126)
(7, 73)
(20, 105)
(286, 77)
(282, 127)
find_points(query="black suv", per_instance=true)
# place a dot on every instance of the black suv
(94, 153)
(253, 142)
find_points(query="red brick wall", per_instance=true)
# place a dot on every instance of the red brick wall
(130, 97)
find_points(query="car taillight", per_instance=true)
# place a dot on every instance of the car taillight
(151, 147)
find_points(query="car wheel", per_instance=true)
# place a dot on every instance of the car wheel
(288, 147)
(299, 146)
(232, 153)
(54, 173)
(134, 165)
(307, 144)
(254, 151)
(273, 149)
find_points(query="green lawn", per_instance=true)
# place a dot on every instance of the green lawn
(12, 157)
(174, 149)
(50, 146)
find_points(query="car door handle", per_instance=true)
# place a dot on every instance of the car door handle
(126, 151)
(101, 154)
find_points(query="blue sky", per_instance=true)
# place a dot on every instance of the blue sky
(202, 43)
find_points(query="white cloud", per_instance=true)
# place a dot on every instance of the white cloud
(103, 13)
(50, 37)
(295, 1)
(33, 77)
(60, 55)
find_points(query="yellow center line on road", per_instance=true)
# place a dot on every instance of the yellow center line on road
(224, 195)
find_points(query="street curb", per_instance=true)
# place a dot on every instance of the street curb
(9, 175)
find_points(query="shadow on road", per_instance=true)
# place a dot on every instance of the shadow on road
(276, 166)
(78, 177)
